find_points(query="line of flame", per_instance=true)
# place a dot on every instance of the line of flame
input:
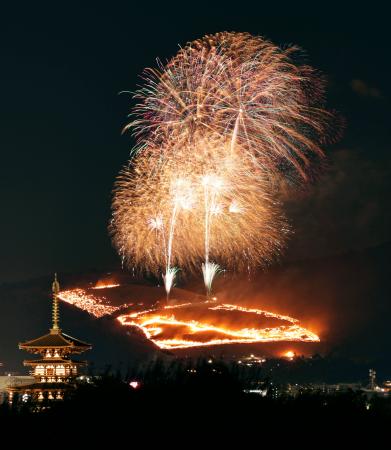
(152, 327)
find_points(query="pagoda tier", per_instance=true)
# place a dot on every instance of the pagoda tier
(55, 342)
(40, 392)
(55, 371)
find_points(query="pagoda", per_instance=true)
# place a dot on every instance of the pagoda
(55, 371)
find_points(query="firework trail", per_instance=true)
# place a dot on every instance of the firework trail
(181, 199)
(212, 186)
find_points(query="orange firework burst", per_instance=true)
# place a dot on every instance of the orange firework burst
(197, 205)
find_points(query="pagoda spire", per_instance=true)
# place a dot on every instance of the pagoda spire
(55, 313)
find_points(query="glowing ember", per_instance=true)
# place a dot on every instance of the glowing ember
(103, 285)
(289, 354)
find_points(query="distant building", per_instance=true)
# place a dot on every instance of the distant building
(54, 371)
(7, 382)
(373, 388)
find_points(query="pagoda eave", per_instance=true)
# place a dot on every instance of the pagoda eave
(64, 350)
(38, 387)
(37, 362)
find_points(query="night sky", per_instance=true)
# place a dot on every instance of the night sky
(61, 118)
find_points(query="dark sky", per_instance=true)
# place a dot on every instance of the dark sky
(61, 119)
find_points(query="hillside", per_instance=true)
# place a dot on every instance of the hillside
(341, 298)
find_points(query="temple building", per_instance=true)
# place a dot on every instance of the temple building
(54, 371)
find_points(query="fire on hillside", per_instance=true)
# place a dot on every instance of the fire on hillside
(192, 324)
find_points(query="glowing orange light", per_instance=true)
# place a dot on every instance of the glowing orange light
(168, 330)
(154, 324)
(105, 285)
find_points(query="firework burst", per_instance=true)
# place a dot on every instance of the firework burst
(218, 127)
(240, 86)
(216, 209)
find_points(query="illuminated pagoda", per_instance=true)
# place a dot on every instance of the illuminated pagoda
(55, 371)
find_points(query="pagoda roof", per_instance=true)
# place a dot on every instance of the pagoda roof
(56, 339)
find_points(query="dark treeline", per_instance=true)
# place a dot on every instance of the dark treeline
(315, 369)
(197, 395)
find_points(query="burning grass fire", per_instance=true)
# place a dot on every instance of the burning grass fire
(94, 305)
(194, 324)
(176, 329)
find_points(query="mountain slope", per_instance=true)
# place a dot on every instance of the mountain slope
(345, 299)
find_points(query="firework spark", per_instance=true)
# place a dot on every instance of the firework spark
(156, 223)
(169, 278)
(209, 270)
